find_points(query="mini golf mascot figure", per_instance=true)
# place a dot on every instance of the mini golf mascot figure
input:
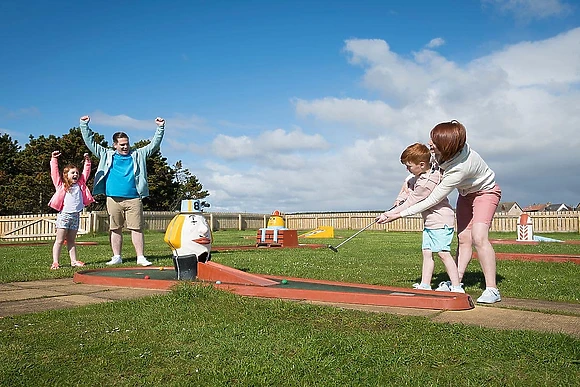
(276, 223)
(189, 237)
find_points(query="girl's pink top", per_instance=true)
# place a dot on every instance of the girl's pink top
(57, 200)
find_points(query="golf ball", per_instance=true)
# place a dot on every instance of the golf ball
(218, 282)
(284, 282)
(146, 277)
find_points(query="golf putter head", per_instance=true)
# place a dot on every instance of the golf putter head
(331, 247)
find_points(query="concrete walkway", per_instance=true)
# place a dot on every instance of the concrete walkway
(35, 296)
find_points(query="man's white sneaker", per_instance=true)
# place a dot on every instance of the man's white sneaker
(489, 296)
(143, 261)
(116, 260)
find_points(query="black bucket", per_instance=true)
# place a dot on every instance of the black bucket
(185, 267)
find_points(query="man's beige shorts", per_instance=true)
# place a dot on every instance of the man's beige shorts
(125, 212)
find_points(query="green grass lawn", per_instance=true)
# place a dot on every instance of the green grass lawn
(200, 336)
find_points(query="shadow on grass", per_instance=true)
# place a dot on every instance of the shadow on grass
(470, 278)
(154, 259)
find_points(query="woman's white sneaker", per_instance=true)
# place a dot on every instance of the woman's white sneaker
(489, 296)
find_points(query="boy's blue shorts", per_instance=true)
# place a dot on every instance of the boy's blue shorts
(438, 239)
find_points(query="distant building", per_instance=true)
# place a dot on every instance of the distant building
(535, 208)
(558, 207)
(509, 208)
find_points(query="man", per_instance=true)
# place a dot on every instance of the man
(122, 177)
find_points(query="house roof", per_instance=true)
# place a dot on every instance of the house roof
(557, 207)
(534, 207)
(506, 206)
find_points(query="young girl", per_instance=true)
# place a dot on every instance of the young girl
(71, 196)
(477, 201)
(438, 220)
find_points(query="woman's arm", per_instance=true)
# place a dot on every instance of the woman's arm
(448, 183)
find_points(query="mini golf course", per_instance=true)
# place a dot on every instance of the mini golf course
(268, 286)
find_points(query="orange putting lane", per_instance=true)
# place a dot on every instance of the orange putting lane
(269, 286)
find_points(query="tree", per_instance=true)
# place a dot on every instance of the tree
(189, 185)
(8, 154)
(30, 186)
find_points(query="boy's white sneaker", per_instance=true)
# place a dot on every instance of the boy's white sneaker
(489, 296)
(116, 260)
(143, 261)
(422, 286)
(457, 289)
(444, 286)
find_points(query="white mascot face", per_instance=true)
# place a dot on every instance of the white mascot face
(195, 237)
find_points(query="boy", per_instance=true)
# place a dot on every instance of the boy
(438, 220)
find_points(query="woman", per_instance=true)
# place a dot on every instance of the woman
(478, 198)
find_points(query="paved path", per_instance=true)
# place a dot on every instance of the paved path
(35, 296)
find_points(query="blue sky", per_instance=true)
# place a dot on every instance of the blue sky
(306, 105)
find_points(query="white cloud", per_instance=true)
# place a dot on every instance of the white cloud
(531, 9)
(437, 42)
(273, 143)
(121, 121)
(177, 122)
(548, 63)
(366, 115)
(18, 113)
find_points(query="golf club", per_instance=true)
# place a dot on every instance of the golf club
(335, 249)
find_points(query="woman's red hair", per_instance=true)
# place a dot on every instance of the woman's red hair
(449, 138)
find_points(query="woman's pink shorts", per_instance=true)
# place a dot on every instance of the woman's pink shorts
(477, 207)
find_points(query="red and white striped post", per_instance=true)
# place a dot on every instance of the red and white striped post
(525, 229)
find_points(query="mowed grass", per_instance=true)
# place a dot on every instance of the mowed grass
(200, 336)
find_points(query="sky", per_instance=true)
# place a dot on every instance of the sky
(305, 105)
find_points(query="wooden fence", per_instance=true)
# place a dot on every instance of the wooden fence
(543, 222)
(42, 226)
(37, 227)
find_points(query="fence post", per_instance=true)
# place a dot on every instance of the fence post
(240, 222)
(211, 222)
(89, 222)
